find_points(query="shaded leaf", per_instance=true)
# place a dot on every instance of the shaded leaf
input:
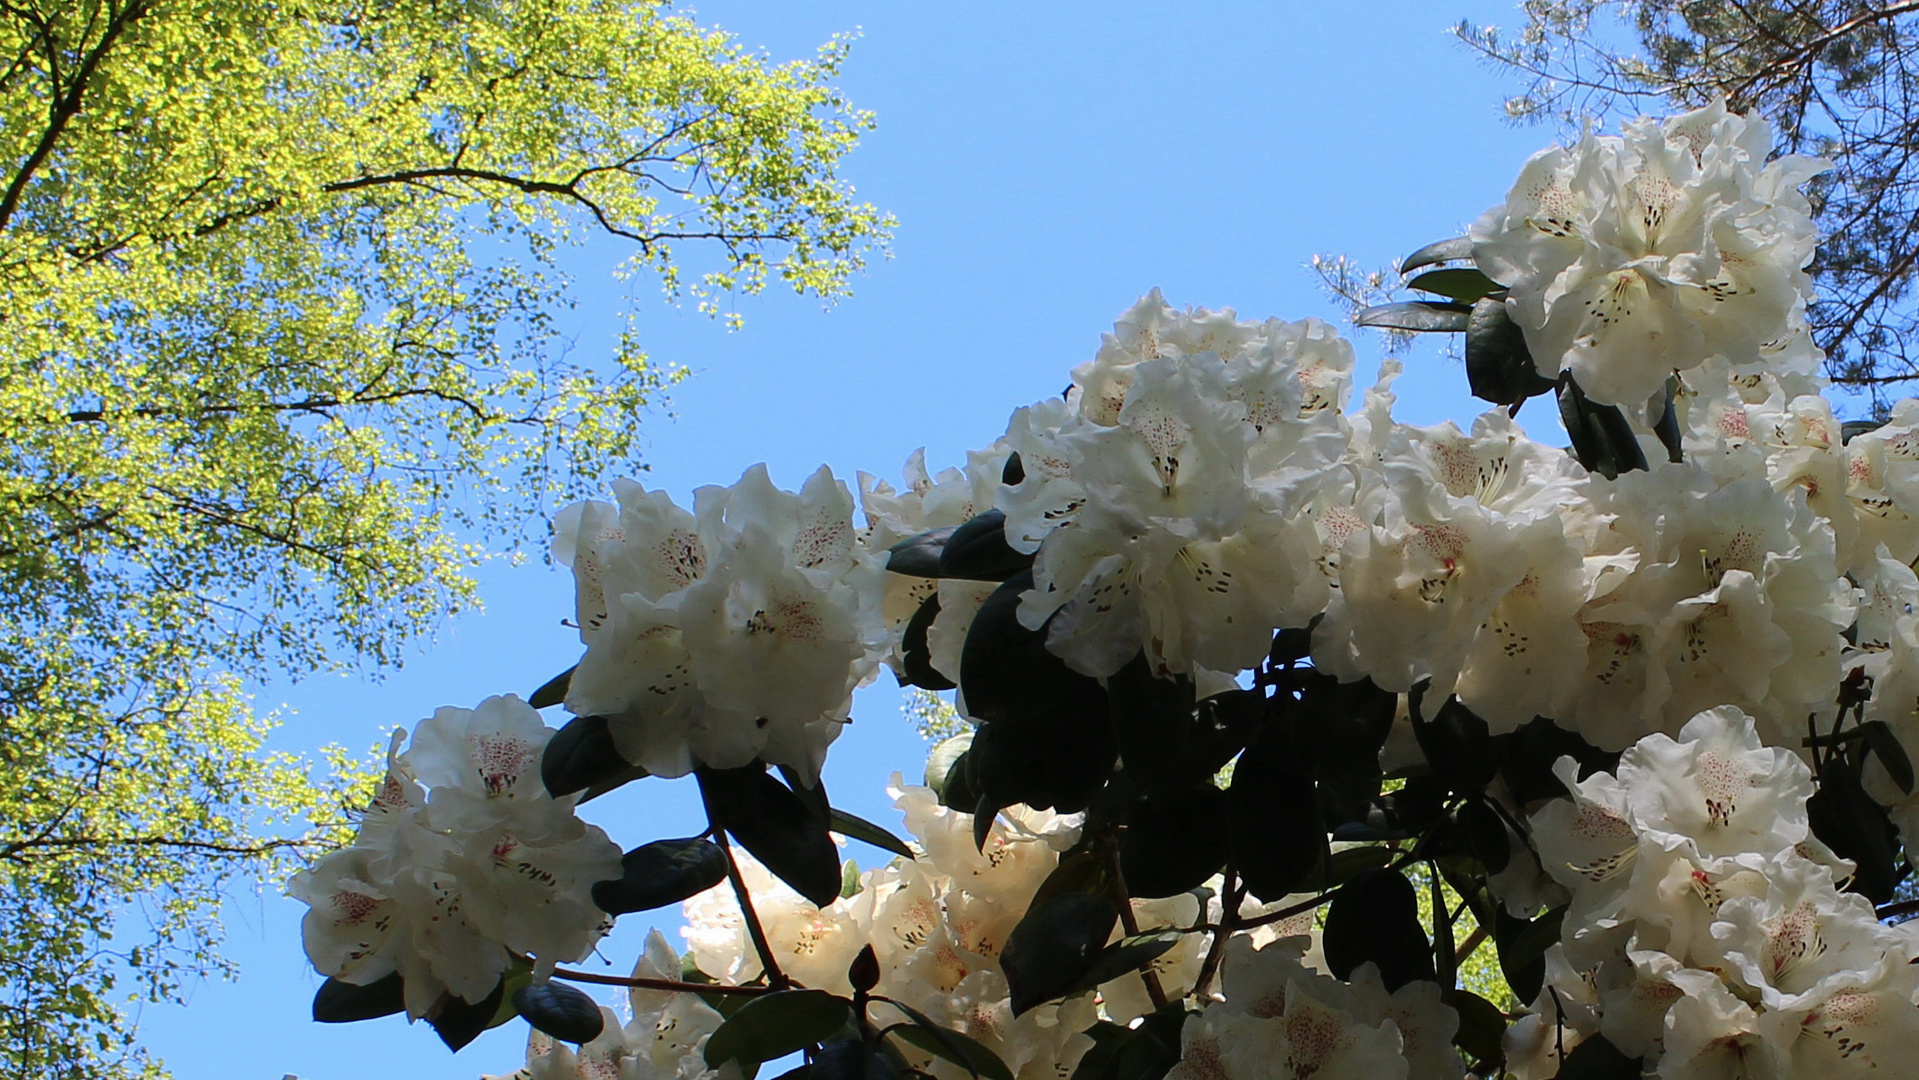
(1273, 823)
(1485, 833)
(949, 1045)
(858, 828)
(1522, 945)
(1602, 439)
(661, 873)
(1100, 1059)
(1375, 917)
(580, 755)
(1855, 827)
(1006, 671)
(1462, 283)
(1482, 1027)
(1152, 721)
(850, 1059)
(1598, 1059)
(553, 691)
(1459, 247)
(978, 551)
(1499, 367)
(560, 1010)
(1666, 428)
(776, 827)
(1173, 842)
(1457, 743)
(774, 1025)
(1123, 957)
(1884, 744)
(458, 1021)
(611, 783)
(1423, 316)
(916, 656)
(919, 555)
(1054, 945)
(341, 1002)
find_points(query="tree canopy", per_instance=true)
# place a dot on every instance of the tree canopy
(280, 355)
(1839, 78)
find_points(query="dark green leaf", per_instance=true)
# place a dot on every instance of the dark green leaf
(458, 1021)
(1343, 865)
(1375, 917)
(1007, 672)
(943, 759)
(958, 793)
(1424, 316)
(983, 815)
(1173, 842)
(1602, 439)
(919, 556)
(1530, 753)
(601, 787)
(1499, 367)
(1457, 743)
(1464, 283)
(552, 691)
(978, 551)
(1273, 823)
(1485, 833)
(1482, 1027)
(916, 656)
(1851, 429)
(1855, 827)
(1099, 1060)
(661, 873)
(1152, 722)
(776, 827)
(851, 1059)
(580, 755)
(949, 1045)
(340, 1002)
(1054, 945)
(774, 1025)
(1013, 473)
(1522, 945)
(1885, 745)
(1081, 871)
(1293, 645)
(1154, 1046)
(1667, 427)
(561, 1011)
(1459, 247)
(858, 828)
(1058, 760)
(1598, 1059)
(1123, 957)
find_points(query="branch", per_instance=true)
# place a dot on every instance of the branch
(636, 982)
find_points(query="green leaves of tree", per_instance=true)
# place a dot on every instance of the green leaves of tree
(341, 1002)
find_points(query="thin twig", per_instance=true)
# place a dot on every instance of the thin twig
(636, 982)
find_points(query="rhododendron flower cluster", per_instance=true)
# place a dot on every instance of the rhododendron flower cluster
(1300, 743)
(463, 863)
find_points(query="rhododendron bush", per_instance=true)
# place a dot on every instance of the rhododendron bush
(1281, 713)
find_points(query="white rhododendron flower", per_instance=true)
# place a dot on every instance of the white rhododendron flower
(446, 889)
(1630, 257)
(734, 632)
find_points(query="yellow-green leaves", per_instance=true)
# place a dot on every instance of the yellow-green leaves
(256, 375)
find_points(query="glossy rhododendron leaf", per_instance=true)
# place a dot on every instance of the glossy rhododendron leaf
(561, 1011)
(661, 873)
(1375, 918)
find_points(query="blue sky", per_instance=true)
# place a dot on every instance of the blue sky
(1048, 165)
